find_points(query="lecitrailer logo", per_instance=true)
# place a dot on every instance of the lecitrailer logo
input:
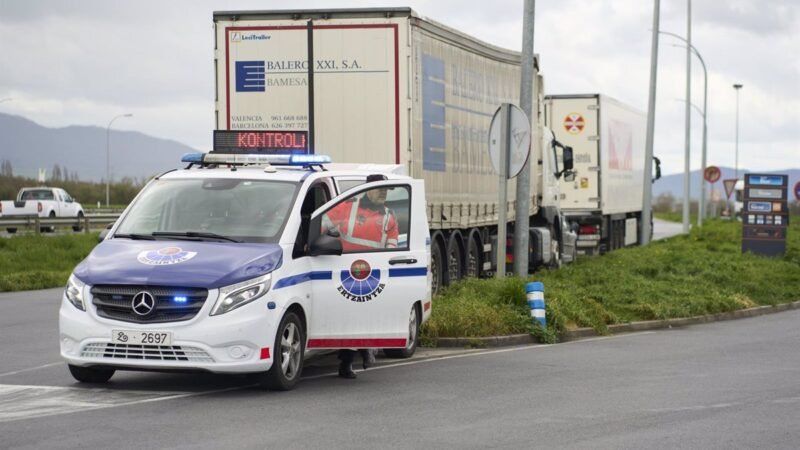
(238, 36)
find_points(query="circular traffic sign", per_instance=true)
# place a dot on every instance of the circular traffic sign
(519, 141)
(712, 174)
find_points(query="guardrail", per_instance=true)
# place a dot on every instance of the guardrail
(38, 224)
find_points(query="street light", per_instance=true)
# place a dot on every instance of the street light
(737, 87)
(702, 212)
(108, 152)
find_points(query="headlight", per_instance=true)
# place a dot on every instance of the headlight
(74, 292)
(236, 295)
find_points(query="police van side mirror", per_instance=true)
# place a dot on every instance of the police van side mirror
(104, 233)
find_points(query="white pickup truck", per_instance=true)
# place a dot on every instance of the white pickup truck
(43, 202)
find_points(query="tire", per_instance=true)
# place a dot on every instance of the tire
(79, 227)
(473, 268)
(413, 337)
(51, 228)
(455, 260)
(90, 374)
(11, 230)
(437, 268)
(289, 348)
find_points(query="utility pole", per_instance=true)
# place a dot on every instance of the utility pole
(645, 225)
(528, 101)
(737, 87)
(687, 156)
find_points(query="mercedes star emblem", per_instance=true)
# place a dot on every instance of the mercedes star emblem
(143, 303)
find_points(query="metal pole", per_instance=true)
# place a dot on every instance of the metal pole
(528, 97)
(702, 207)
(108, 153)
(737, 87)
(505, 117)
(644, 224)
(686, 164)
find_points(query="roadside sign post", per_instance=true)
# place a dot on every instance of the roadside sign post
(730, 184)
(509, 146)
(711, 175)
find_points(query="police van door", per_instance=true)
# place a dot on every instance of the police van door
(363, 297)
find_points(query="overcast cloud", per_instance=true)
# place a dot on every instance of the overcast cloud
(84, 62)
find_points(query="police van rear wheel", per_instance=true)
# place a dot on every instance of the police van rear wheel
(90, 374)
(411, 343)
(287, 364)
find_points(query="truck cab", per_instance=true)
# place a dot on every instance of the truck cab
(230, 265)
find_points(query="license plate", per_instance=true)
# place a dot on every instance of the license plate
(141, 337)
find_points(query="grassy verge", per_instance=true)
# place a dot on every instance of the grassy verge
(37, 262)
(700, 273)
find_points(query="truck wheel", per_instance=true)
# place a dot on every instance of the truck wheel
(413, 336)
(473, 268)
(437, 268)
(90, 374)
(11, 230)
(287, 362)
(51, 228)
(455, 260)
(79, 226)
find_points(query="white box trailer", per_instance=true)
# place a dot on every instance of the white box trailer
(605, 198)
(387, 87)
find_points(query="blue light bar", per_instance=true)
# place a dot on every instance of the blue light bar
(192, 157)
(304, 160)
(180, 299)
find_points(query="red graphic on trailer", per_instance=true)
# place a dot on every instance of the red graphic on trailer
(620, 145)
(574, 123)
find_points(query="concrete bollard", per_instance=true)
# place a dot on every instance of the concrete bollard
(535, 294)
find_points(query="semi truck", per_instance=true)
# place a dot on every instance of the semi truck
(388, 86)
(603, 197)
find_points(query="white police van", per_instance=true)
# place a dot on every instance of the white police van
(224, 267)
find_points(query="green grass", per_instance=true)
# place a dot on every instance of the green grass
(689, 275)
(39, 262)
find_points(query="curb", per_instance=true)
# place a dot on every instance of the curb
(580, 333)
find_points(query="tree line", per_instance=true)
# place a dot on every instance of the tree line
(86, 192)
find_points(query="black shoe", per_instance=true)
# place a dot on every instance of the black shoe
(368, 359)
(346, 371)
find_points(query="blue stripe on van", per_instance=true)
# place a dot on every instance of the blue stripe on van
(409, 272)
(302, 278)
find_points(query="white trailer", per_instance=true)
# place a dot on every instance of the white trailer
(604, 198)
(388, 87)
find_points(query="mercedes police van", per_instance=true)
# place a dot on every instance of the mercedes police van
(226, 266)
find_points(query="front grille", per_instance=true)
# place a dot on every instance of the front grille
(146, 352)
(114, 302)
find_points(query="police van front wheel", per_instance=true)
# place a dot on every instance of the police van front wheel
(413, 337)
(90, 374)
(287, 363)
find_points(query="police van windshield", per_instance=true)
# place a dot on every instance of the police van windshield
(231, 209)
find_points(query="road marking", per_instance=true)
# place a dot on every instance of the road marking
(19, 402)
(32, 368)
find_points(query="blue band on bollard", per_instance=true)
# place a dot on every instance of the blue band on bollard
(536, 286)
(536, 304)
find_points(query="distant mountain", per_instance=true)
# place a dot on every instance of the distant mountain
(674, 183)
(82, 149)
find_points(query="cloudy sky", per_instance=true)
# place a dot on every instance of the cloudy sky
(69, 62)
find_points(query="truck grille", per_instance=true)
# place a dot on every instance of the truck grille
(115, 302)
(146, 352)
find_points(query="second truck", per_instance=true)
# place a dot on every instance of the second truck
(603, 197)
(387, 86)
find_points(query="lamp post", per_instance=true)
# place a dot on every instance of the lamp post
(108, 153)
(702, 212)
(737, 87)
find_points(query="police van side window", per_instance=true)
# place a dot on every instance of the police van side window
(374, 220)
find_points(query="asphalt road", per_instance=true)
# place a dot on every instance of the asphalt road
(723, 385)
(663, 229)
